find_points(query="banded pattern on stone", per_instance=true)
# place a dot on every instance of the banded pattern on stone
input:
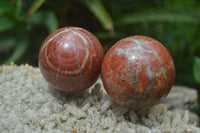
(70, 59)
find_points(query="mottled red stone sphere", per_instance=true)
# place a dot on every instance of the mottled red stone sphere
(137, 72)
(70, 59)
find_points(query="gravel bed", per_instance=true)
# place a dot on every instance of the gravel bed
(29, 105)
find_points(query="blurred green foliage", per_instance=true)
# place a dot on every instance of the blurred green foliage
(196, 69)
(196, 72)
(24, 24)
(22, 29)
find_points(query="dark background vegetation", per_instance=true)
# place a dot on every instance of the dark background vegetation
(24, 24)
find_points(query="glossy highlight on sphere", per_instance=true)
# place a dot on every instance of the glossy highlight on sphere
(138, 72)
(70, 59)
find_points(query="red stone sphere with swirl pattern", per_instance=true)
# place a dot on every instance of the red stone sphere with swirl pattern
(138, 72)
(70, 59)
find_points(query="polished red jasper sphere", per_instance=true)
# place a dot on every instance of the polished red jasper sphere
(138, 72)
(70, 59)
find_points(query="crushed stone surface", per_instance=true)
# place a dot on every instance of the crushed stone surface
(29, 105)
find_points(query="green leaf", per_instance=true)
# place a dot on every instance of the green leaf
(35, 6)
(45, 18)
(6, 7)
(197, 107)
(18, 7)
(6, 43)
(20, 49)
(196, 69)
(157, 16)
(5, 24)
(106, 35)
(97, 8)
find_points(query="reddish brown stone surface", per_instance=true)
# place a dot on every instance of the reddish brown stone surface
(70, 59)
(138, 72)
